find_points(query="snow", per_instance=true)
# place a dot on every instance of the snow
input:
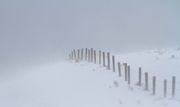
(83, 84)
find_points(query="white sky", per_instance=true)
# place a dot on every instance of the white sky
(42, 30)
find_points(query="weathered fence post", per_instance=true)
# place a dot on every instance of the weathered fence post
(140, 76)
(82, 53)
(86, 51)
(100, 57)
(165, 88)
(104, 62)
(94, 56)
(92, 52)
(89, 55)
(146, 81)
(125, 70)
(119, 68)
(154, 85)
(173, 85)
(129, 75)
(108, 60)
(113, 62)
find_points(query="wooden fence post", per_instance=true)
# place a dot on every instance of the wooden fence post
(86, 51)
(154, 85)
(165, 88)
(82, 53)
(72, 55)
(125, 70)
(113, 62)
(89, 55)
(75, 56)
(78, 54)
(94, 56)
(146, 81)
(100, 57)
(108, 60)
(104, 61)
(92, 52)
(140, 77)
(173, 85)
(129, 75)
(119, 68)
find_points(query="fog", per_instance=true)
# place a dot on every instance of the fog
(33, 32)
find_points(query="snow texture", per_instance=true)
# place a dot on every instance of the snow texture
(83, 84)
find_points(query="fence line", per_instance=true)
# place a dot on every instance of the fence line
(90, 55)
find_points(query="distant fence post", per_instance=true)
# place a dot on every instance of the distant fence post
(119, 68)
(154, 85)
(86, 51)
(104, 62)
(125, 70)
(78, 54)
(129, 75)
(108, 60)
(165, 88)
(140, 77)
(82, 52)
(113, 62)
(173, 85)
(74, 51)
(92, 52)
(94, 56)
(89, 55)
(100, 57)
(146, 81)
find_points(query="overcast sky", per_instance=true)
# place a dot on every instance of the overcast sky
(35, 31)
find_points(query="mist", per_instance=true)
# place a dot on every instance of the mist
(39, 31)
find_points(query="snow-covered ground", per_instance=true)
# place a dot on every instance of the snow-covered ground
(162, 63)
(70, 84)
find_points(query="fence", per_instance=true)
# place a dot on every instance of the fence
(90, 55)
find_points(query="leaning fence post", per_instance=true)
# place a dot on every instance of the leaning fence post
(108, 60)
(173, 85)
(154, 85)
(94, 56)
(129, 75)
(146, 81)
(119, 68)
(100, 57)
(104, 59)
(125, 70)
(165, 88)
(113, 62)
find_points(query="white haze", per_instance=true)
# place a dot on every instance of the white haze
(40, 31)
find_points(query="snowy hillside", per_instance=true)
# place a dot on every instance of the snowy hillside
(82, 84)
